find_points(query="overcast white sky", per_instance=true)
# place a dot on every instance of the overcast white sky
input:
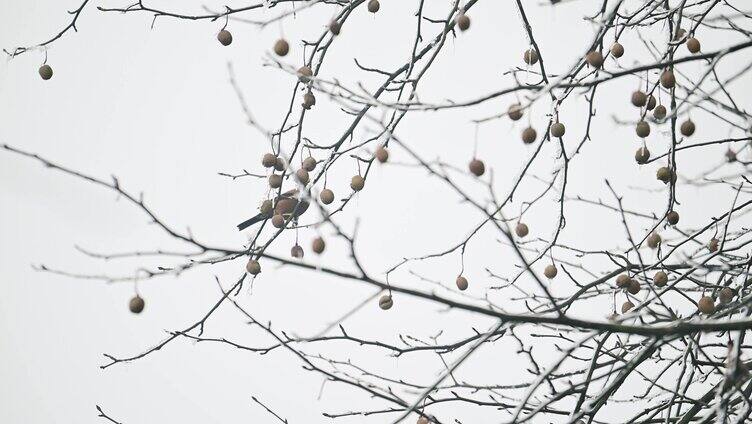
(154, 107)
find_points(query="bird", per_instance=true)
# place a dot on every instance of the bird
(286, 204)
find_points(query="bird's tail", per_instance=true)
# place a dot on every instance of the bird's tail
(248, 222)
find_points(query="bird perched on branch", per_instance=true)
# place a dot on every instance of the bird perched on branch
(287, 204)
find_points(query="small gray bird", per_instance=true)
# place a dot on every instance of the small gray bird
(286, 204)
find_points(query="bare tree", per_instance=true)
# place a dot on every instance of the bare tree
(679, 294)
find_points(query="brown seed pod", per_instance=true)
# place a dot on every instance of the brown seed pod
(730, 156)
(302, 176)
(382, 154)
(521, 230)
(550, 271)
(594, 59)
(651, 103)
(659, 112)
(680, 33)
(626, 307)
(642, 155)
(297, 252)
(463, 22)
(477, 167)
(224, 37)
(654, 240)
(634, 286)
(266, 208)
(693, 45)
(309, 164)
(45, 71)
(318, 245)
(706, 305)
(275, 181)
(639, 98)
(687, 128)
(667, 79)
(666, 175)
(253, 267)
(386, 302)
(530, 56)
(642, 129)
(514, 112)
(281, 47)
(268, 160)
(278, 221)
(726, 295)
(529, 135)
(617, 50)
(622, 281)
(357, 183)
(335, 27)
(374, 6)
(660, 279)
(461, 283)
(558, 129)
(305, 73)
(309, 100)
(280, 164)
(672, 217)
(136, 304)
(326, 196)
(713, 244)
(423, 420)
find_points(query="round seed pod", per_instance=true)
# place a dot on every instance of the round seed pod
(550, 271)
(654, 240)
(672, 217)
(463, 22)
(558, 129)
(357, 183)
(530, 57)
(296, 252)
(275, 181)
(374, 6)
(651, 103)
(642, 155)
(680, 33)
(335, 27)
(529, 135)
(318, 245)
(326, 196)
(309, 164)
(642, 129)
(514, 112)
(281, 47)
(594, 59)
(461, 283)
(521, 230)
(660, 279)
(268, 160)
(617, 50)
(305, 73)
(280, 164)
(639, 98)
(730, 156)
(726, 295)
(687, 128)
(693, 45)
(667, 79)
(713, 244)
(663, 174)
(266, 208)
(622, 281)
(626, 307)
(278, 221)
(136, 304)
(224, 37)
(423, 420)
(706, 305)
(45, 71)
(659, 112)
(302, 176)
(253, 267)
(382, 154)
(477, 167)
(309, 100)
(386, 302)
(634, 286)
